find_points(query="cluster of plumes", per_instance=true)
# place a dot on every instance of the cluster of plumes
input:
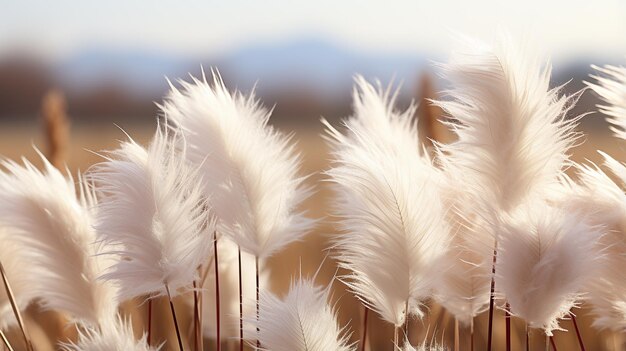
(514, 135)
(142, 223)
(414, 223)
(500, 186)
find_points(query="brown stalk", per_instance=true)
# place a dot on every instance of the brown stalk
(507, 318)
(578, 335)
(396, 334)
(178, 337)
(256, 263)
(217, 292)
(456, 335)
(491, 298)
(240, 301)
(553, 343)
(364, 337)
(56, 124)
(149, 322)
(16, 310)
(196, 314)
(472, 334)
(6, 341)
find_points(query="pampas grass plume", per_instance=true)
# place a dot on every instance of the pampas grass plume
(547, 257)
(388, 205)
(42, 210)
(250, 169)
(301, 321)
(153, 215)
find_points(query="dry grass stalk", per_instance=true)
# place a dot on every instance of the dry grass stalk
(57, 127)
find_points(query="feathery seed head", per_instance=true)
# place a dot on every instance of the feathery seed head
(301, 321)
(250, 169)
(546, 256)
(388, 202)
(154, 215)
(42, 211)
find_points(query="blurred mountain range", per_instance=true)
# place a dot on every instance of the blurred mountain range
(304, 78)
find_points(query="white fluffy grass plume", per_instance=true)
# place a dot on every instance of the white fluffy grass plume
(42, 210)
(153, 215)
(603, 199)
(115, 335)
(463, 285)
(20, 277)
(611, 86)
(301, 321)
(387, 199)
(513, 134)
(250, 169)
(547, 257)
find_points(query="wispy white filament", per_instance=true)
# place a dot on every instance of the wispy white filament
(154, 216)
(611, 86)
(115, 335)
(301, 321)
(42, 210)
(250, 169)
(387, 199)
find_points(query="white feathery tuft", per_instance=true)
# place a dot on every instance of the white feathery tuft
(43, 212)
(422, 347)
(18, 273)
(611, 86)
(301, 321)
(547, 257)
(463, 285)
(513, 134)
(115, 335)
(250, 169)
(388, 202)
(153, 215)
(604, 201)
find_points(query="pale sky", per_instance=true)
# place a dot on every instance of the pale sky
(55, 29)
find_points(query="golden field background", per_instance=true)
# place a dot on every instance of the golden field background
(18, 139)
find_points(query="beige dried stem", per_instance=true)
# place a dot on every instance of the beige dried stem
(56, 125)
(429, 114)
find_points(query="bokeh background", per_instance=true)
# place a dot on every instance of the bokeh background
(104, 64)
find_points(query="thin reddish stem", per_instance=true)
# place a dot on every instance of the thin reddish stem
(196, 314)
(491, 298)
(507, 318)
(578, 335)
(364, 338)
(149, 322)
(256, 264)
(217, 292)
(178, 337)
(16, 310)
(240, 303)
(456, 335)
(553, 343)
(472, 335)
